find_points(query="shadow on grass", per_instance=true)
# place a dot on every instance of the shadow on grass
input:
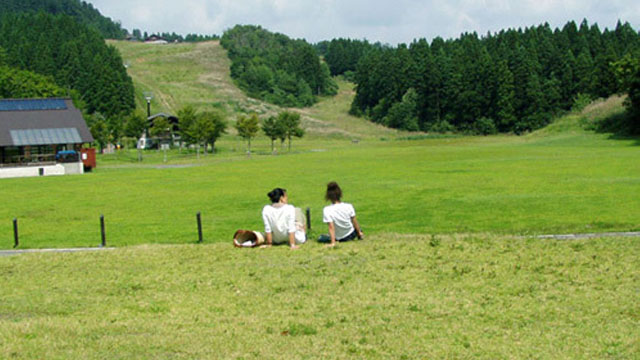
(619, 125)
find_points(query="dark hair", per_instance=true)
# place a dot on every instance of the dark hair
(334, 193)
(276, 194)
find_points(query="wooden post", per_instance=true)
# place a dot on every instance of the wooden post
(16, 240)
(198, 218)
(102, 232)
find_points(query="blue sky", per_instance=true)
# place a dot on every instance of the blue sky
(385, 21)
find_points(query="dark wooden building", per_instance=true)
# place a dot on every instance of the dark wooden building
(32, 131)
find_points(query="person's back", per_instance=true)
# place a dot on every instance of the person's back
(279, 220)
(340, 217)
(283, 222)
(340, 214)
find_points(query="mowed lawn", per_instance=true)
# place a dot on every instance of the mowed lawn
(499, 185)
(387, 297)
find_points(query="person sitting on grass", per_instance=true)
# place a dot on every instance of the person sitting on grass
(340, 217)
(282, 222)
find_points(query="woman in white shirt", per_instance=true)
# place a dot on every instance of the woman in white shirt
(340, 217)
(282, 222)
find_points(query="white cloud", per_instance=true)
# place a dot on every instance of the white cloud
(385, 21)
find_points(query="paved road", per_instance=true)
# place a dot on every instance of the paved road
(589, 236)
(16, 252)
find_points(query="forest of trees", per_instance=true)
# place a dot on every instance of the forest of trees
(342, 55)
(72, 56)
(512, 81)
(275, 68)
(81, 11)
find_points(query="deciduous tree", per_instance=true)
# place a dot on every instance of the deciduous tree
(248, 127)
(290, 123)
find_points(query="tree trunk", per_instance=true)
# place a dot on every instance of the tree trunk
(249, 149)
(272, 148)
(198, 151)
(289, 143)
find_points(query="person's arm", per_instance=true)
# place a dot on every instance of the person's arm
(332, 234)
(292, 241)
(356, 226)
(267, 227)
(291, 226)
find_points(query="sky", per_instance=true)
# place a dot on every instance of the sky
(392, 22)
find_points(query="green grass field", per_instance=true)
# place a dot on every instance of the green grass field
(497, 185)
(389, 296)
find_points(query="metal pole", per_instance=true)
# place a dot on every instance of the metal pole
(199, 227)
(102, 232)
(16, 240)
(308, 219)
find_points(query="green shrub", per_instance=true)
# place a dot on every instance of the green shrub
(485, 126)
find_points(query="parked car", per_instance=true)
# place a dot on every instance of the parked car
(67, 156)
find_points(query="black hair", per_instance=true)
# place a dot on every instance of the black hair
(334, 193)
(276, 194)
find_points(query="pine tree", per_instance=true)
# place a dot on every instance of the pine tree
(583, 75)
(505, 113)
(633, 103)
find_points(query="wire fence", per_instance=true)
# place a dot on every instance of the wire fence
(105, 232)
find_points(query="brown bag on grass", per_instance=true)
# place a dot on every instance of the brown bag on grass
(247, 238)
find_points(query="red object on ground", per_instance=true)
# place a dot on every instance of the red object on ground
(88, 158)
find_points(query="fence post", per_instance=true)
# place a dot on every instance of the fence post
(16, 240)
(198, 218)
(102, 232)
(308, 219)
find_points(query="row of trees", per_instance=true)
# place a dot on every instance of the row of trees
(275, 68)
(74, 56)
(173, 37)
(512, 81)
(342, 55)
(201, 129)
(283, 127)
(82, 11)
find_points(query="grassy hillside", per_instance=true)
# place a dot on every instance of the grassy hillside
(585, 121)
(198, 74)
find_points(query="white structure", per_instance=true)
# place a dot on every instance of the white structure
(45, 170)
